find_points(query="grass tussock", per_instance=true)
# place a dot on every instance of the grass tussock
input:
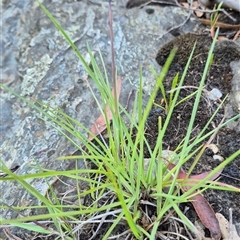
(122, 190)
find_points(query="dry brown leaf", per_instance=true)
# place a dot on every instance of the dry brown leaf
(228, 232)
(194, 5)
(206, 215)
(200, 204)
(236, 36)
(200, 234)
(197, 5)
(222, 38)
(185, 5)
(213, 147)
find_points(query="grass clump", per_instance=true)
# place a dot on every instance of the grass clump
(121, 182)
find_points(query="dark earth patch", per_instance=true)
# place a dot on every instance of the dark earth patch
(227, 140)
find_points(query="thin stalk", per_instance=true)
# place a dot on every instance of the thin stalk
(113, 60)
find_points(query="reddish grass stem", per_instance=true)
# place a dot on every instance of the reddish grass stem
(112, 55)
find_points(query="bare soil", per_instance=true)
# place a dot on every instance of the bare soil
(227, 140)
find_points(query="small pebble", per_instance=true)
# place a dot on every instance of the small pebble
(213, 147)
(214, 94)
(218, 157)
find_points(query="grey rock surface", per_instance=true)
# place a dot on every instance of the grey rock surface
(38, 64)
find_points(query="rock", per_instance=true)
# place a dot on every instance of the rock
(214, 94)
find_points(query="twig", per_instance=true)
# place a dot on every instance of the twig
(213, 26)
(236, 35)
(128, 99)
(217, 129)
(219, 24)
(182, 24)
(119, 235)
(10, 235)
(190, 9)
(143, 3)
(175, 3)
(213, 11)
